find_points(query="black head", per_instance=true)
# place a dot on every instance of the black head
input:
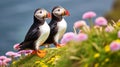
(60, 11)
(41, 13)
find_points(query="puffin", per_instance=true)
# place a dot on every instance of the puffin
(38, 33)
(58, 26)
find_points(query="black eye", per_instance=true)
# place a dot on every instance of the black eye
(40, 11)
(58, 9)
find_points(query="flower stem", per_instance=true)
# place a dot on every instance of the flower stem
(95, 46)
(91, 23)
(74, 30)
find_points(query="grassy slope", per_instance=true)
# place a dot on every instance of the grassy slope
(76, 54)
(29, 61)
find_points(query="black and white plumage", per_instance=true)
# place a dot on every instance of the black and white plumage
(57, 25)
(38, 32)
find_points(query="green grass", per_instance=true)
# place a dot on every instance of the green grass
(29, 61)
(78, 54)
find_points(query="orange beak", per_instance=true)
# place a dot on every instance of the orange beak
(48, 15)
(67, 13)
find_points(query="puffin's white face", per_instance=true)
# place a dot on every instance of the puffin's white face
(42, 13)
(58, 11)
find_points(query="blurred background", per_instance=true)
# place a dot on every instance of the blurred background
(16, 16)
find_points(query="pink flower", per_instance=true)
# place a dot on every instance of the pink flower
(21, 52)
(89, 15)
(79, 24)
(26, 52)
(4, 61)
(12, 54)
(115, 46)
(119, 34)
(7, 60)
(2, 58)
(3, 64)
(101, 21)
(81, 37)
(16, 46)
(67, 37)
(109, 28)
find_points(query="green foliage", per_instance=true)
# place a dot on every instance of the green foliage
(94, 52)
(35, 61)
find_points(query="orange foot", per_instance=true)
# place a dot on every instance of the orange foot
(58, 45)
(41, 53)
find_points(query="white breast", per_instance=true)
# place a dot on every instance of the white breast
(45, 31)
(62, 26)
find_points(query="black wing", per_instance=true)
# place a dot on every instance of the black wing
(53, 28)
(53, 31)
(30, 38)
(32, 34)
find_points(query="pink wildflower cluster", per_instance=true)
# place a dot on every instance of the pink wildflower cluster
(25, 52)
(101, 21)
(4, 61)
(12, 54)
(79, 24)
(115, 46)
(81, 37)
(89, 15)
(72, 36)
(68, 37)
